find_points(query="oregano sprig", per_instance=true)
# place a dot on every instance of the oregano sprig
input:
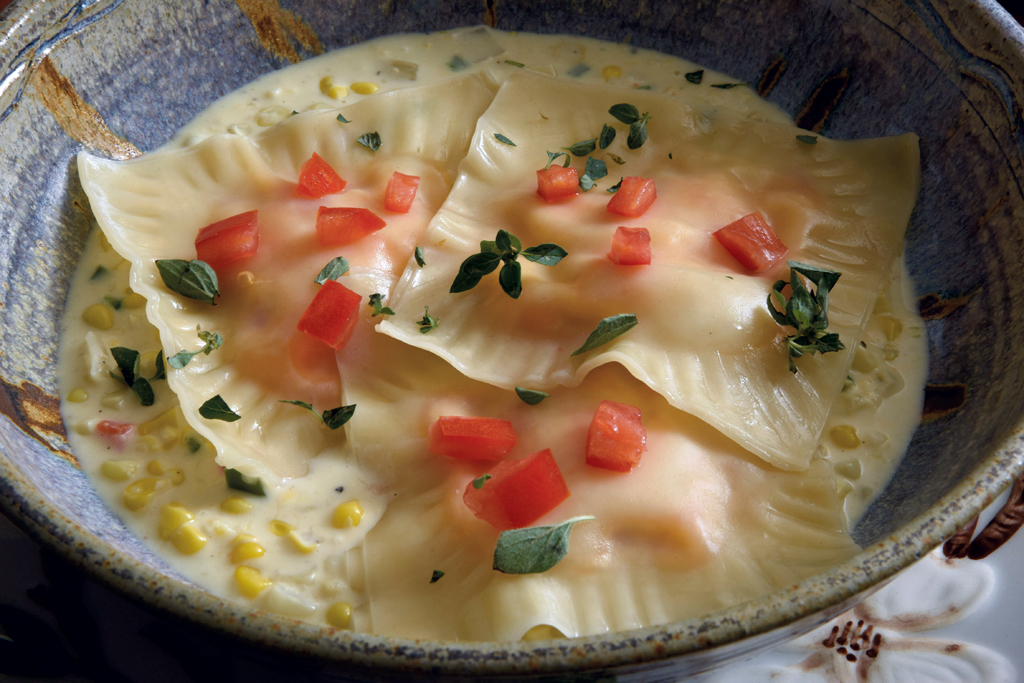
(504, 249)
(332, 417)
(636, 121)
(129, 363)
(211, 342)
(805, 311)
(377, 304)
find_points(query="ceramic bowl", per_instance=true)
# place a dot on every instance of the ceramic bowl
(120, 76)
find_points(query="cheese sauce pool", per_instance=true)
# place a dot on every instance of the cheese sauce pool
(162, 479)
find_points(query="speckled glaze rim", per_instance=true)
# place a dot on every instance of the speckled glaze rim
(709, 640)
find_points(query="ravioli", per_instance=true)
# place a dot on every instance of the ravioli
(153, 207)
(705, 339)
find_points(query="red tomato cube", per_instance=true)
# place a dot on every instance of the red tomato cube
(332, 315)
(400, 192)
(752, 242)
(471, 438)
(519, 492)
(634, 197)
(317, 179)
(228, 240)
(631, 247)
(556, 183)
(115, 434)
(616, 438)
(345, 225)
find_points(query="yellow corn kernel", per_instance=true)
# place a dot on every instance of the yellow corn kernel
(119, 470)
(246, 551)
(105, 243)
(246, 278)
(168, 418)
(364, 88)
(326, 83)
(610, 72)
(851, 469)
(337, 92)
(175, 475)
(339, 615)
(845, 436)
(243, 538)
(155, 468)
(172, 516)
(891, 352)
(892, 327)
(147, 444)
(348, 514)
(115, 399)
(235, 505)
(188, 539)
(300, 544)
(250, 581)
(134, 300)
(280, 528)
(77, 395)
(137, 494)
(82, 427)
(99, 316)
(864, 360)
(882, 305)
(543, 632)
(844, 489)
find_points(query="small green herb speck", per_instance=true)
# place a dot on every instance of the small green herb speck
(583, 148)
(531, 396)
(695, 77)
(807, 139)
(458, 63)
(370, 141)
(728, 86)
(342, 119)
(428, 322)
(377, 304)
(217, 408)
(114, 302)
(479, 482)
(337, 267)
(577, 70)
(418, 255)
(504, 140)
(436, 576)
(99, 272)
(211, 342)
(606, 137)
(615, 188)
(516, 64)
(243, 482)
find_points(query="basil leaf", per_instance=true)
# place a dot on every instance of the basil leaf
(577, 70)
(518, 64)
(377, 304)
(511, 279)
(728, 86)
(217, 408)
(243, 482)
(436, 576)
(586, 183)
(607, 136)
(545, 254)
(337, 267)
(501, 138)
(98, 273)
(626, 113)
(114, 302)
(615, 188)
(418, 255)
(534, 549)
(193, 279)
(337, 417)
(370, 140)
(695, 77)
(343, 119)
(128, 362)
(427, 322)
(302, 404)
(458, 63)
(472, 269)
(582, 149)
(637, 134)
(530, 396)
(554, 155)
(596, 169)
(607, 330)
(807, 139)
(479, 482)
(144, 390)
(161, 371)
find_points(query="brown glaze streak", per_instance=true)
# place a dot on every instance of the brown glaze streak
(933, 307)
(771, 75)
(277, 27)
(1003, 526)
(36, 413)
(823, 101)
(78, 119)
(956, 547)
(942, 399)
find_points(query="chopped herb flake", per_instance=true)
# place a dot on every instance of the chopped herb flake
(377, 304)
(607, 136)
(504, 249)
(114, 302)
(695, 77)
(342, 119)
(99, 272)
(534, 549)
(193, 279)
(458, 63)
(217, 408)
(596, 169)
(479, 482)
(504, 140)
(728, 86)
(427, 322)
(807, 139)
(577, 70)
(337, 417)
(531, 396)
(607, 330)
(582, 149)
(418, 255)
(615, 188)
(211, 342)
(554, 155)
(243, 482)
(337, 267)
(516, 64)
(436, 576)
(370, 140)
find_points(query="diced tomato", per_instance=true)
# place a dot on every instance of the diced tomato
(400, 192)
(752, 242)
(332, 315)
(317, 179)
(634, 197)
(616, 438)
(471, 438)
(345, 225)
(228, 240)
(631, 247)
(557, 183)
(519, 492)
(115, 434)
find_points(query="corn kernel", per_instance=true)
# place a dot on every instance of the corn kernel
(77, 395)
(243, 538)
(348, 514)
(250, 581)
(845, 436)
(188, 539)
(147, 444)
(172, 516)
(337, 92)
(115, 399)
(326, 83)
(268, 116)
(104, 242)
(543, 632)
(82, 427)
(893, 328)
(864, 360)
(235, 505)
(246, 278)
(891, 352)
(844, 489)
(168, 418)
(300, 544)
(339, 615)
(147, 363)
(175, 475)
(137, 494)
(155, 468)
(364, 88)
(851, 469)
(133, 301)
(610, 72)
(99, 316)
(882, 305)
(246, 551)
(280, 528)
(119, 470)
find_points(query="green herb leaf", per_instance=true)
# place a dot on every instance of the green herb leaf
(545, 254)
(577, 70)
(472, 269)
(370, 140)
(343, 119)
(554, 155)
(607, 136)
(418, 255)
(805, 311)
(595, 169)
(534, 549)
(217, 408)
(615, 188)
(193, 279)
(98, 273)
(114, 302)
(695, 77)
(161, 371)
(458, 63)
(586, 183)
(128, 362)
(479, 482)
(807, 139)
(243, 482)
(517, 64)
(670, 156)
(607, 330)
(193, 445)
(615, 157)
(336, 268)
(728, 86)
(626, 113)
(505, 248)
(436, 576)
(507, 243)
(377, 304)
(427, 322)
(144, 390)
(304, 405)
(637, 134)
(511, 279)
(211, 342)
(531, 396)
(642, 87)
(583, 148)
(337, 417)
(502, 139)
